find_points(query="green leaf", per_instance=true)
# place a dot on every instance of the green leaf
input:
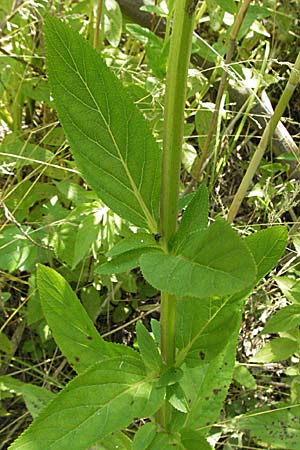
(112, 22)
(72, 328)
(278, 428)
(176, 397)
(206, 385)
(23, 153)
(6, 345)
(170, 376)
(144, 436)
(35, 397)
(135, 241)
(193, 440)
(276, 350)
(127, 252)
(194, 219)
(284, 320)
(16, 251)
(267, 246)
(203, 329)
(114, 441)
(111, 142)
(165, 441)
(148, 349)
(244, 377)
(289, 287)
(202, 122)
(85, 237)
(126, 261)
(104, 399)
(215, 263)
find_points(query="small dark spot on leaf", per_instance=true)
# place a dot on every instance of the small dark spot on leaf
(89, 338)
(216, 391)
(207, 398)
(202, 355)
(225, 363)
(77, 359)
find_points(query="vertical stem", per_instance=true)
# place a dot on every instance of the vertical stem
(178, 63)
(100, 10)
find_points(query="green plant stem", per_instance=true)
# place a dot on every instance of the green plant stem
(268, 133)
(178, 63)
(230, 52)
(98, 26)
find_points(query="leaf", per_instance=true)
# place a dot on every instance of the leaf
(144, 436)
(127, 252)
(267, 246)
(111, 142)
(126, 261)
(284, 320)
(112, 22)
(276, 350)
(289, 287)
(203, 119)
(35, 397)
(170, 376)
(103, 399)
(279, 428)
(206, 385)
(203, 329)
(244, 377)
(16, 251)
(72, 328)
(135, 241)
(23, 153)
(215, 263)
(114, 441)
(176, 397)
(6, 345)
(86, 235)
(165, 441)
(194, 219)
(193, 440)
(148, 349)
